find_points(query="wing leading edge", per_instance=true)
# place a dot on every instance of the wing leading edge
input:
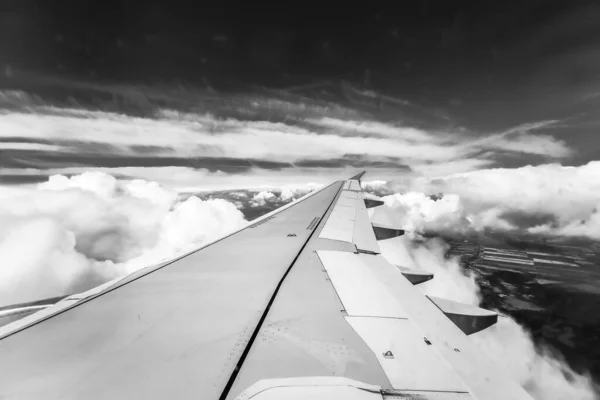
(299, 304)
(175, 331)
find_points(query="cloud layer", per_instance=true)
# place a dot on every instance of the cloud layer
(547, 199)
(50, 137)
(70, 234)
(541, 372)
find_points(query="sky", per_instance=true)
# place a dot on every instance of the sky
(132, 132)
(486, 106)
(245, 95)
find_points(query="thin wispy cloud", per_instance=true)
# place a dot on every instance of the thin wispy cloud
(523, 139)
(196, 136)
(31, 146)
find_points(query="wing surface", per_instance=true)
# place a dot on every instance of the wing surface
(174, 331)
(300, 304)
(345, 311)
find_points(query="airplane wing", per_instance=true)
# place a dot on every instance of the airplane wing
(299, 304)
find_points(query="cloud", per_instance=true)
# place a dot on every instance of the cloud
(69, 234)
(290, 193)
(547, 199)
(30, 146)
(283, 195)
(520, 139)
(262, 198)
(376, 188)
(451, 167)
(186, 179)
(423, 214)
(450, 281)
(373, 128)
(545, 375)
(175, 136)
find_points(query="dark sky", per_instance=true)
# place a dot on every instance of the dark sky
(427, 49)
(487, 64)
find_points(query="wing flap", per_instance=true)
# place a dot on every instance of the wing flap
(469, 319)
(479, 375)
(360, 292)
(364, 235)
(340, 224)
(408, 361)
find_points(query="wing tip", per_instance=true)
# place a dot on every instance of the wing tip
(357, 176)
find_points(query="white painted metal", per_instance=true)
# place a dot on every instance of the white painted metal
(350, 222)
(355, 185)
(454, 307)
(349, 194)
(469, 319)
(340, 223)
(483, 379)
(32, 318)
(346, 185)
(361, 293)
(344, 211)
(338, 227)
(311, 387)
(15, 314)
(317, 393)
(426, 395)
(413, 364)
(305, 333)
(73, 299)
(364, 236)
(346, 201)
(21, 310)
(47, 311)
(178, 330)
(174, 332)
(415, 276)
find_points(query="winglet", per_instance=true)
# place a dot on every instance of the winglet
(357, 176)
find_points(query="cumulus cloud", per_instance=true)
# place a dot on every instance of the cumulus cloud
(450, 282)
(69, 234)
(545, 375)
(262, 198)
(281, 195)
(547, 199)
(293, 192)
(376, 188)
(289, 194)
